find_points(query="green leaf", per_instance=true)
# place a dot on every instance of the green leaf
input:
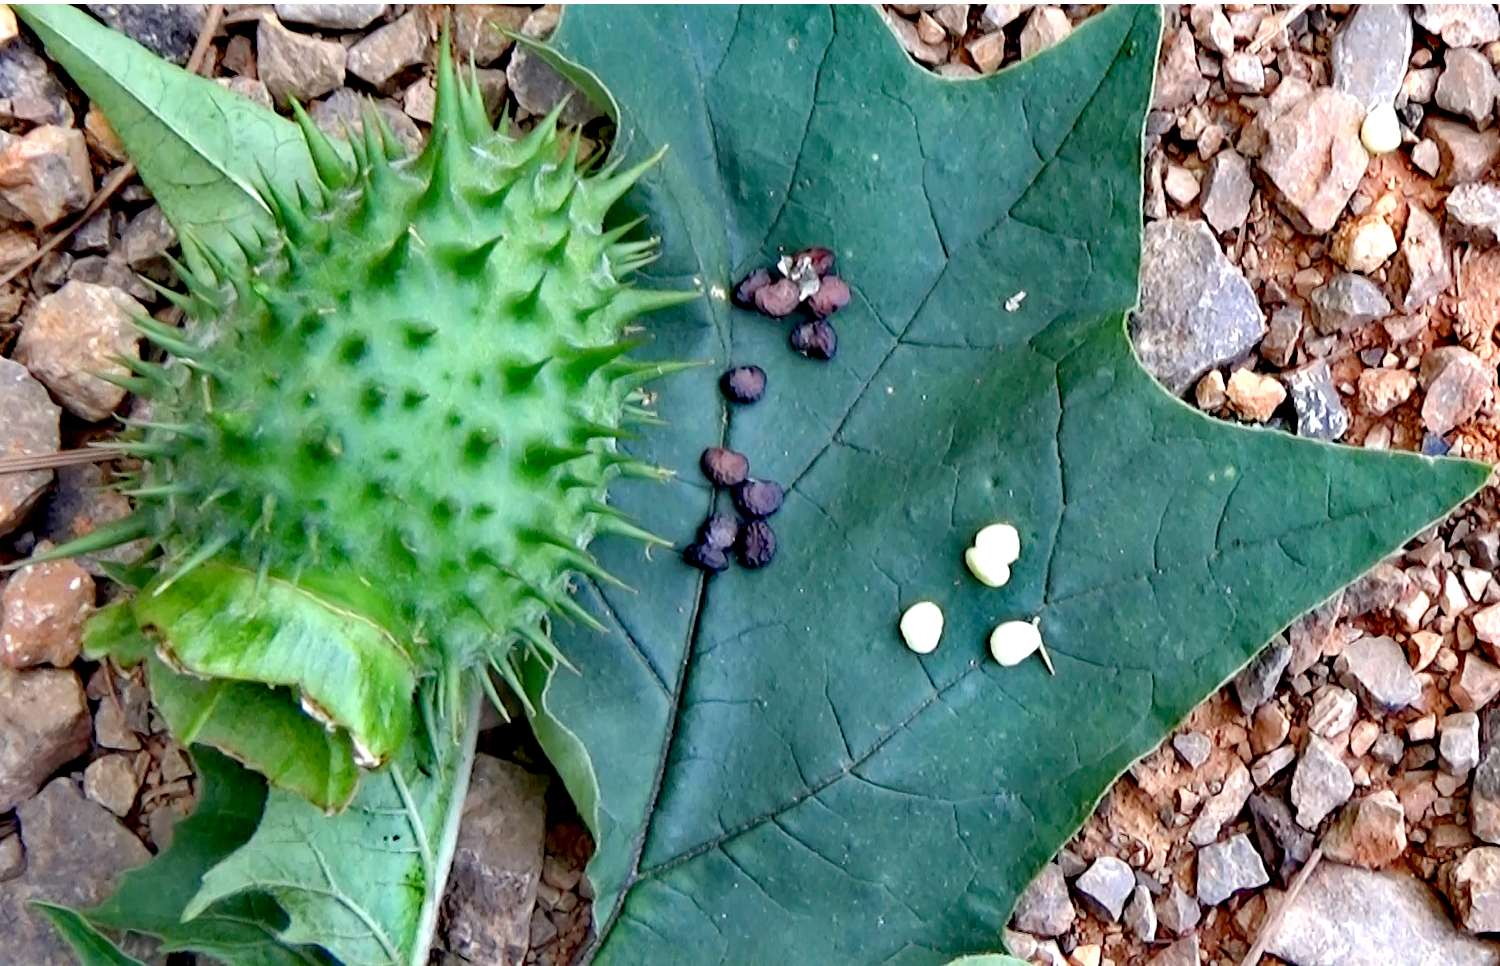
(92, 947)
(778, 779)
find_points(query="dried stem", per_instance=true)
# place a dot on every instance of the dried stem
(1274, 918)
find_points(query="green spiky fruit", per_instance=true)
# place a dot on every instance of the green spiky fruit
(377, 452)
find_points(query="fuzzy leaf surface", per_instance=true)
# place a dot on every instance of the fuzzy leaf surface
(775, 778)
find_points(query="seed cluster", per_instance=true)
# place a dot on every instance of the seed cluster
(751, 538)
(803, 280)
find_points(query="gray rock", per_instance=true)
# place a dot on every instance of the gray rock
(110, 781)
(12, 858)
(1320, 409)
(1378, 591)
(1223, 807)
(1320, 784)
(1473, 887)
(1283, 334)
(1227, 191)
(331, 16)
(1178, 80)
(1370, 52)
(1106, 887)
(1474, 214)
(28, 427)
(28, 84)
(1045, 909)
(295, 66)
(1193, 747)
(341, 115)
(1457, 384)
(1346, 302)
(1184, 952)
(1197, 311)
(45, 176)
(1420, 270)
(75, 850)
(1464, 154)
(1484, 798)
(1286, 844)
(1467, 86)
(75, 332)
(145, 240)
(477, 30)
(1426, 157)
(1460, 24)
(1314, 158)
(1388, 748)
(538, 88)
(381, 55)
(1375, 668)
(1243, 73)
(1225, 868)
(1140, 915)
(1458, 742)
(1071, 864)
(169, 29)
(1255, 685)
(1334, 711)
(1178, 911)
(1346, 916)
(486, 911)
(44, 724)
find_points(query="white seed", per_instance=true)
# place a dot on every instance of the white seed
(1014, 641)
(921, 626)
(1381, 131)
(1000, 542)
(985, 568)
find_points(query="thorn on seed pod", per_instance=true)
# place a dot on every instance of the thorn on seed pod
(724, 467)
(821, 259)
(779, 299)
(831, 296)
(744, 293)
(757, 544)
(711, 559)
(719, 531)
(815, 339)
(743, 384)
(758, 498)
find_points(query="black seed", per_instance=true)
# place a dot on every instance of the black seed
(744, 293)
(707, 558)
(724, 467)
(832, 295)
(821, 259)
(743, 384)
(778, 299)
(719, 531)
(816, 340)
(758, 498)
(757, 545)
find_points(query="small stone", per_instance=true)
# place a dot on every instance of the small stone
(757, 544)
(419, 101)
(1420, 271)
(1486, 623)
(1458, 742)
(1320, 784)
(44, 723)
(332, 16)
(1183, 952)
(1272, 764)
(1369, 53)
(12, 858)
(1466, 154)
(42, 610)
(1254, 396)
(1257, 682)
(1484, 798)
(1425, 157)
(1363, 244)
(706, 558)
(1106, 887)
(112, 729)
(1348, 302)
(1046, 27)
(1178, 911)
(1362, 737)
(1411, 608)
(1282, 336)
(1181, 185)
(1460, 24)
(1320, 410)
(341, 115)
(542, 21)
(1227, 191)
(1477, 684)
(29, 426)
(1140, 915)
(383, 54)
(1375, 668)
(1388, 748)
(724, 467)
(168, 29)
(1473, 888)
(296, 66)
(1314, 158)
(45, 176)
(1193, 747)
(1178, 80)
(538, 88)
(1223, 807)
(1281, 840)
(911, 40)
(478, 33)
(1474, 214)
(1468, 86)
(1370, 832)
(29, 87)
(743, 384)
(1270, 728)
(1457, 384)
(988, 51)
(73, 333)
(1334, 711)
(1243, 73)
(815, 339)
(146, 239)
(1044, 909)
(1225, 868)
(1209, 393)
(1422, 729)
(111, 782)
(832, 295)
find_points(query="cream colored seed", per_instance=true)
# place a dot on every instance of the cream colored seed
(1014, 641)
(1381, 131)
(921, 626)
(1000, 542)
(986, 568)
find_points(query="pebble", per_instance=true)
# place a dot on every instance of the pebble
(1466, 154)
(1467, 86)
(73, 333)
(111, 782)
(42, 610)
(335, 16)
(44, 723)
(1420, 271)
(296, 66)
(1045, 909)
(1106, 887)
(538, 88)
(386, 52)
(1223, 807)
(1458, 742)
(1281, 840)
(1269, 729)
(1227, 191)
(1209, 393)
(1193, 747)
(1272, 764)
(1474, 214)
(1457, 384)
(1178, 81)
(1388, 748)
(341, 115)
(1225, 868)
(1426, 158)
(146, 239)
(1183, 952)
(1254, 396)
(1181, 185)
(1140, 915)
(1362, 737)
(29, 426)
(988, 51)
(1369, 53)
(1348, 916)
(475, 32)
(12, 857)
(1256, 683)
(45, 175)
(27, 83)
(1370, 832)
(1477, 684)
(168, 29)
(921, 629)
(1484, 798)
(1375, 668)
(1178, 911)
(1320, 409)
(1363, 244)
(1243, 73)
(1321, 782)
(1473, 887)
(1314, 158)
(1046, 27)
(1334, 712)
(1348, 301)
(1282, 336)
(1460, 24)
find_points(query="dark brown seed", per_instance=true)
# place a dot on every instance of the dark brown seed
(719, 531)
(744, 293)
(743, 384)
(821, 258)
(778, 299)
(815, 339)
(832, 295)
(725, 467)
(707, 558)
(758, 498)
(757, 545)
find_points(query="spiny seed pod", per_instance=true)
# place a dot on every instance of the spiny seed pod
(704, 557)
(815, 339)
(821, 259)
(405, 403)
(757, 544)
(758, 498)
(743, 384)
(778, 299)
(832, 295)
(744, 293)
(719, 531)
(724, 467)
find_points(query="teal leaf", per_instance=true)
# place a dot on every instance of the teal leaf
(91, 946)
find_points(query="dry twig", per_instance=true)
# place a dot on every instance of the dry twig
(1274, 918)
